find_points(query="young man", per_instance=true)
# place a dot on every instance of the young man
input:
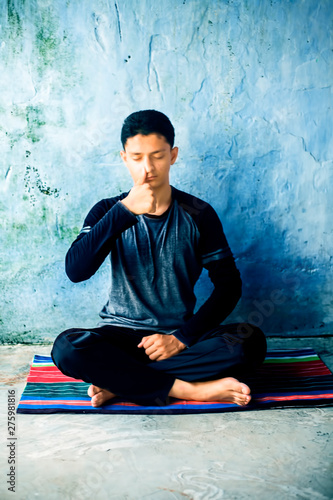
(150, 345)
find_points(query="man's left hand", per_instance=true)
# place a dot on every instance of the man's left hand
(161, 346)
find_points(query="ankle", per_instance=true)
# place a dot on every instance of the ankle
(183, 390)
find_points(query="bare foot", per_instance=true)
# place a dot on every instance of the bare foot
(225, 389)
(99, 396)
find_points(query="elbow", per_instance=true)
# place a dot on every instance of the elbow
(73, 271)
(76, 274)
(74, 279)
(73, 275)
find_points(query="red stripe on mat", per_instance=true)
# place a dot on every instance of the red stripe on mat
(56, 379)
(295, 397)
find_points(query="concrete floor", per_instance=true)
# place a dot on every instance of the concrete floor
(273, 454)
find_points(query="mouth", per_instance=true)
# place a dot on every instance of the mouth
(151, 178)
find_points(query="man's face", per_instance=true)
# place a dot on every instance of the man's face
(151, 153)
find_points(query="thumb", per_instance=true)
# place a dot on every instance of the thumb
(142, 178)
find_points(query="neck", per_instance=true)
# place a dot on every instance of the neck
(163, 196)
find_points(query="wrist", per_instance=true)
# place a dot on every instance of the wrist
(127, 205)
(177, 334)
(180, 344)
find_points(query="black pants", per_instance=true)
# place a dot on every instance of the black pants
(108, 357)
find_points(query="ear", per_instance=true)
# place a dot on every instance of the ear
(123, 156)
(174, 155)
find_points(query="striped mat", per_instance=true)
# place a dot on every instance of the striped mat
(288, 377)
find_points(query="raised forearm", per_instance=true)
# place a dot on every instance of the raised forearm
(89, 251)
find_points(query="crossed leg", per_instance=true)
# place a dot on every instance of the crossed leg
(89, 356)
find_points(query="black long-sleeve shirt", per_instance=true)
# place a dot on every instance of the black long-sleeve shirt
(155, 263)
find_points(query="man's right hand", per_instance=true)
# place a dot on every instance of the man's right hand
(141, 198)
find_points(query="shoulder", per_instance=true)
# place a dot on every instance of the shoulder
(197, 208)
(213, 244)
(212, 237)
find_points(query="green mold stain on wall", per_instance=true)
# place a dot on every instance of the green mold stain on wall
(35, 120)
(33, 183)
(68, 234)
(13, 31)
(14, 20)
(53, 48)
(47, 41)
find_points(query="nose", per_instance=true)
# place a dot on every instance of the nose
(148, 165)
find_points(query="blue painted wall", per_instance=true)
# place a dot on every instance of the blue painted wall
(248, 86)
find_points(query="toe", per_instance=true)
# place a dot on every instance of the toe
(93, 390)
(245, 389)
(246, 400)
(242, 400)
(98, 399)
(94, 401)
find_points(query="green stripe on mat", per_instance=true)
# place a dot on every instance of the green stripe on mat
(291, 360)
(37, 365)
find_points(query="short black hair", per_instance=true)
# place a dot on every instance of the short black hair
(145, 122)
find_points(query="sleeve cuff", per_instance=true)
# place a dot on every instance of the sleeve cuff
(180, 336)
(121, 206)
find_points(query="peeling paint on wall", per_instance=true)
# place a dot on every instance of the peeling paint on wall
(248, 86)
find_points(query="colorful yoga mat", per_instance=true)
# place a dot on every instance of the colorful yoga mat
(288, 377)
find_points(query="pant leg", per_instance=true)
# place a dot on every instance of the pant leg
(229, 350)
(110, 359)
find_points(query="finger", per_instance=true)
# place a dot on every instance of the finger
(151, 350)
(142, 343)
(158, 357)
(145, 341)
(154, 356)
(142, 178)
